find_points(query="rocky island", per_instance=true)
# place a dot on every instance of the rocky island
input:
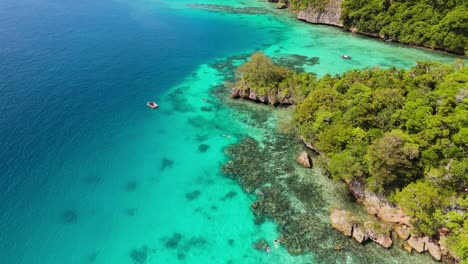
(396, 138)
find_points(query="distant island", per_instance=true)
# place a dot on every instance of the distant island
(433, 24)
(398, 138)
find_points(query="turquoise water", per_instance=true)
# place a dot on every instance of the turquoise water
(91, 175)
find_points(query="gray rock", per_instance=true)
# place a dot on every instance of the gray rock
(330, 15)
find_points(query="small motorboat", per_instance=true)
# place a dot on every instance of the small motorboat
(152, 105)
(346, 57)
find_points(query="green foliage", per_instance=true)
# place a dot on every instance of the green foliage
(261, 75)
(442, 24)
(420, 201)
(392, 161)
(438, 24)
(405, 132)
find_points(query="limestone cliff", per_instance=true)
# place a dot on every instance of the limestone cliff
(329, 15)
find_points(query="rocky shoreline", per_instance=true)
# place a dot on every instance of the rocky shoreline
(331, 14)
(389, 224)
(385, 224)
(248, 94)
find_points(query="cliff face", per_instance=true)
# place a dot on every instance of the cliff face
(273, 99)
(330, 15)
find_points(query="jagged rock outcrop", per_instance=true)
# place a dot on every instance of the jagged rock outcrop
(402, 232)
(343, 221)
(423, 244)
(277, 99)
(329, 15)
(417, 243)
(377, 205)
(379, 236)
(304, 160)
(280, 5)
(360, 234)
(434, 250)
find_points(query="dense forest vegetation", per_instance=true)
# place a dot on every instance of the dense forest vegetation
(431, 23)
(404, 132)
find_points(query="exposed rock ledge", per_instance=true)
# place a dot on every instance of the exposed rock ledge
(278, 99)
(344, 222)
(392, 218)
(330, 15)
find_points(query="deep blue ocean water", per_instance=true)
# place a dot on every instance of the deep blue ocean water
(88, 173)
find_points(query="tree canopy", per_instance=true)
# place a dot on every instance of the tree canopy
(404, 132)
(431, 23)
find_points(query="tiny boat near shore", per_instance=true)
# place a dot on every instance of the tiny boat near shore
(346, 57)
(152, 105)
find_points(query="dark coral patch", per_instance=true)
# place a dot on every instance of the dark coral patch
(131, 186)
(196, 242)
(203, 147)
(140, 255)
(231, 242)
(130, 211)
(192, 195)
(180, 256)
(92, 179)
(173, 241)
(206, 109)
(229, 195)
(70, 216)
(260, 244)
(166, 163)
(92, 257)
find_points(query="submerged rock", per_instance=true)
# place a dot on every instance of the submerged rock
(304, 160)
(260, 244)
(139, 256)
(203, 147)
